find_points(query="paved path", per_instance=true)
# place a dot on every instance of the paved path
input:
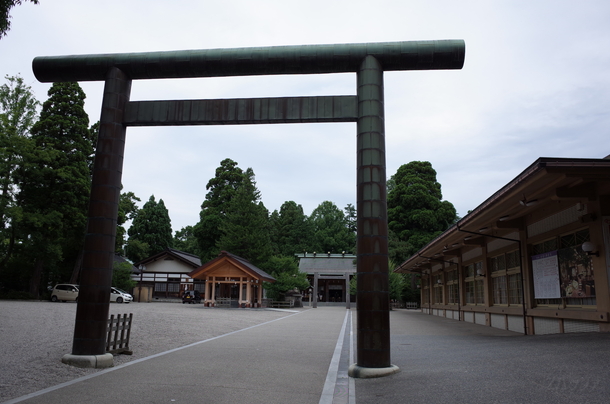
(303, 358)
(446, 361)
(287, 360)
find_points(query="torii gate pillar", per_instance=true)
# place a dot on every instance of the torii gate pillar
(373, 301)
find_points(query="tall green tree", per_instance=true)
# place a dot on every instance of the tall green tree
(5, 16)
(245, 230)
(18, 112)
(128, 209)
(351, 217)
(55, 182)
(152, 226)
(185, 240)
(291, 230)
(331, 229)
(221, 190)
(137, 250)
(416, 211)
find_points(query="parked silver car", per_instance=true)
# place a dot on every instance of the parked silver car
(119, 296)
(64, 292)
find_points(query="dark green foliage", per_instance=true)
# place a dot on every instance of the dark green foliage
(410, 291)
(397, 283)
(152, 226)
(127, 211)
(17, 115)
(288, 277)
(184, 240)
(331, 229)
(16, 295)
(416, 211)
(245, 228)
(5, 9)
(221, 190)
(351, 218)
(137, 250)
(291, 230)
(121, 276)
(54, 182)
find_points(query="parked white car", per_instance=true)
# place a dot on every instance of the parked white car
(119, 296)
(64, 292)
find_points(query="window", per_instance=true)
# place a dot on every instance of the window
(199, 286)
(437, 282)
(506, 279)
(425, 291)
(474, 287)
(453, 288)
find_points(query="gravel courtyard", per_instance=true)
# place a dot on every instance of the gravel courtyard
(35, 335)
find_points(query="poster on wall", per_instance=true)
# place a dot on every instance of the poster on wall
(546, 276)
(576, 272)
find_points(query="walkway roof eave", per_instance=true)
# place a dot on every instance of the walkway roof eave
(543, 176)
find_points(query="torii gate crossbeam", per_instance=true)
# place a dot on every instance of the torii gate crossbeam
(366, 108)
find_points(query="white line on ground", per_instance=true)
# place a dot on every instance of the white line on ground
(331, 377)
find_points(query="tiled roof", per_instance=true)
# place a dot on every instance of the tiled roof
(247, 263)
(119, 260)
(187, 258)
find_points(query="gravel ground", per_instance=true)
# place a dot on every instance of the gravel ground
(35, 335)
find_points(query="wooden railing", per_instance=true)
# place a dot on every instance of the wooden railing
(222, 302)
(119, 330)
(281, 305)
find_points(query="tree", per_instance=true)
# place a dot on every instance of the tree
(351, 217)
(127, 211)
(245, 229)
(287, 276)
(331, 229)
(137, 250)
(121, 276)
(291, 230)
(18, 112)
(416, 211)
(54, 183)
(152, 226)
(5, 8)
(221, 190)
(184, 240)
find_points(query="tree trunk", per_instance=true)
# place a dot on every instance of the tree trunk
(77, 266)
(35, 279)
(9, 251)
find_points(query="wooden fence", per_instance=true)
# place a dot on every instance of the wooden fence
(119, 330)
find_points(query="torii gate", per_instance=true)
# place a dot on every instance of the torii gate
(368, 61)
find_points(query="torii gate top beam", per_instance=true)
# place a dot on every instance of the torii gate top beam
(304, 59)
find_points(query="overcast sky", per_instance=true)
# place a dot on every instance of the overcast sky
(535, 83)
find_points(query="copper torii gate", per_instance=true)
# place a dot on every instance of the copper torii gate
(368, 61)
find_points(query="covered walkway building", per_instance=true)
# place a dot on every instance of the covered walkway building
(532, 258)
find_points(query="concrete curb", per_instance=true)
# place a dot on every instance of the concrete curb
(360, 372)
(89, 361)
